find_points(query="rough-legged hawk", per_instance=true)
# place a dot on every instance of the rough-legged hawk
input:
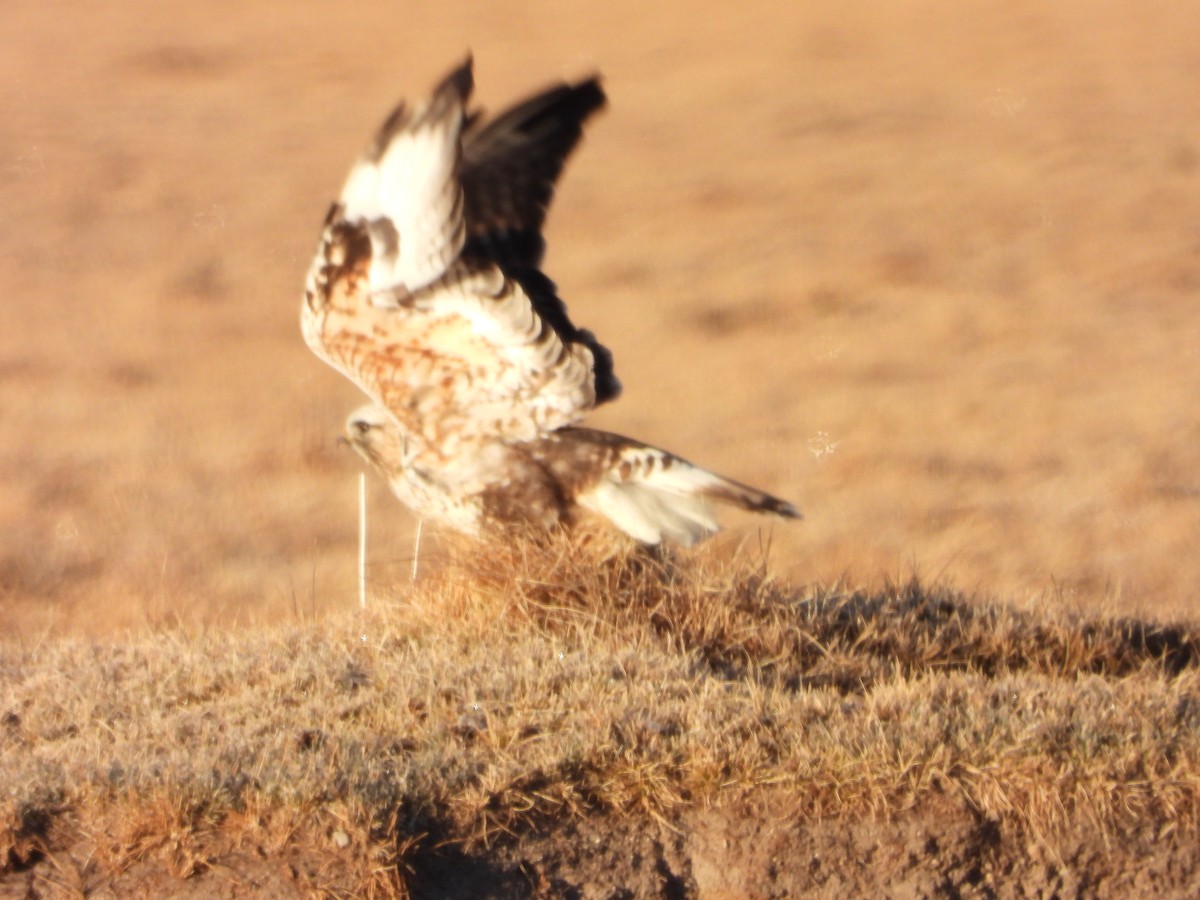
(427, 293)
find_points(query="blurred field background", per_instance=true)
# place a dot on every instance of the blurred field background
(928, 269)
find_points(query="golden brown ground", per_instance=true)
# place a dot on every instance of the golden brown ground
(928, 269)
(582, 722)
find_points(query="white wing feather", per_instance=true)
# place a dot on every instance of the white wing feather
(456, 350)
(408, 194)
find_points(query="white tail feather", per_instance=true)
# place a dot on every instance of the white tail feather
(651, 495)
(648, 513)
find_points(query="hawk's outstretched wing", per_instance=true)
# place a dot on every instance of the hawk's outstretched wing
(511, 164)
(406, 193)
(510, 167)
(456, 346)
(650, 494)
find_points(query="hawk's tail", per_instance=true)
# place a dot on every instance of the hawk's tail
(651, 494)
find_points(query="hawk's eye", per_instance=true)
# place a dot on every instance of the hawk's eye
(361, 426)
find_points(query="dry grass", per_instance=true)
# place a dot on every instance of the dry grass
(949, 253)
(522, 687)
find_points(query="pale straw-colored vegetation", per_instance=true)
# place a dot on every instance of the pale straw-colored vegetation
(526, 685)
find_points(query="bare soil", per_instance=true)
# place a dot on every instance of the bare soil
(611, 727)
(754, 851)
(928, 270)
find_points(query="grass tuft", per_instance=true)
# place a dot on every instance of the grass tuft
(530, 684)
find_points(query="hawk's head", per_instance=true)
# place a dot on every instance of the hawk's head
(375, 437)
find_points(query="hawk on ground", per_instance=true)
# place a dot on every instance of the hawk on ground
(426, 291)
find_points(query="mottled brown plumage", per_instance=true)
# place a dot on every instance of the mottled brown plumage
(460, 340)
(426, 291)
(648, 493)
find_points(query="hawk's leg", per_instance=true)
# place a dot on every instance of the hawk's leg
(417, 550)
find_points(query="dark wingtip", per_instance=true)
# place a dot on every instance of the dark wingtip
(453, 90)
(781, 508)
(589, 95)
(461, 79)
(761, 502)
(754, 500)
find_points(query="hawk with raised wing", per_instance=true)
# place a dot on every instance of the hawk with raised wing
(427, 293)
